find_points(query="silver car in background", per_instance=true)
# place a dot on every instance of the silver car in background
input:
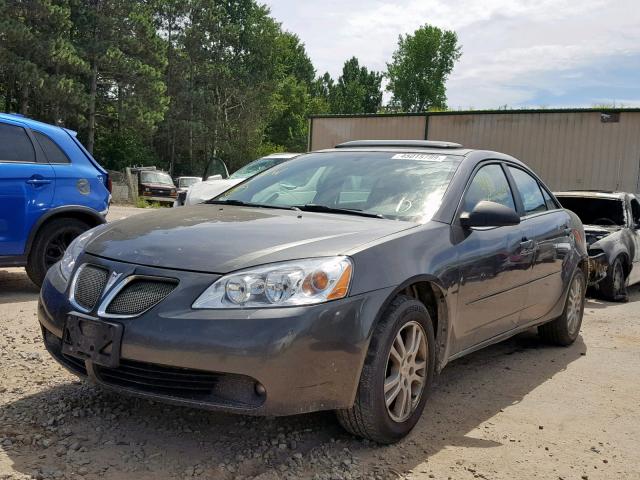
(212, 187)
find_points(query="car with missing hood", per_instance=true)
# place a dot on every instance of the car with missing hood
(343, 279)
(612, 226)
(206, 190)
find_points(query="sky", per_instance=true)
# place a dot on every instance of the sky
(515, 53)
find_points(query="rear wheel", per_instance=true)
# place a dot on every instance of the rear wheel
(565, 329)
(614, 285)
(50, 244)
(397, 374)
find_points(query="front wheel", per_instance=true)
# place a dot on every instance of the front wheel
(397, 374)
(564, 329)
(614, 285)
(50, 244)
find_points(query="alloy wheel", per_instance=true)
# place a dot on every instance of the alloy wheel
(406, 372)
(574, 307)
(57, 245)
(618, 279)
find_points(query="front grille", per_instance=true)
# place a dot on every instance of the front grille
(139, 295)
(183, 383)
(89, 286)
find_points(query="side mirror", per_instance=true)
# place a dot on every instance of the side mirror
(489, 214)
(215, 177)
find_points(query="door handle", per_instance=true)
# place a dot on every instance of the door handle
(38, 181)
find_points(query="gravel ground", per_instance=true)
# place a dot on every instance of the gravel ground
(519, 409)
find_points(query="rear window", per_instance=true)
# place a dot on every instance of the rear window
(15, 145)
(53, 153)
(595, 211)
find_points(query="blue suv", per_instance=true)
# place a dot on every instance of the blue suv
(51, 190)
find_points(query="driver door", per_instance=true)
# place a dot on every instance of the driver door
(494, 269)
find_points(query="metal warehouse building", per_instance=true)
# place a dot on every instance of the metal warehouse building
(569, 149)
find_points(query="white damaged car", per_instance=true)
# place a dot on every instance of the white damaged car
(215, 185)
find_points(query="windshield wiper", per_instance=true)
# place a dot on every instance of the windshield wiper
(240, 203)
(312, 207)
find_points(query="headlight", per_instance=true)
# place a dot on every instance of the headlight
(75, 248)
(301, 282)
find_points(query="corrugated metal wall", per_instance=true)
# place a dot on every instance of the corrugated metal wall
(569, 150)
(327, 132)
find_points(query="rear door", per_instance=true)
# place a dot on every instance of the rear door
(27, 184)
(494, 269)
(635, 232)
(546, 239)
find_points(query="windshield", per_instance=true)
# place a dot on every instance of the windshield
(256, 167)
(401, 186)
(595, 211)
(185, 182)
(155, 177)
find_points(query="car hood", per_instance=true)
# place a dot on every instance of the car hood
(203, 191)
(220, 239)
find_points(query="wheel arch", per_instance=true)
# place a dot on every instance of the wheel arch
(428, 290)
(85, 214)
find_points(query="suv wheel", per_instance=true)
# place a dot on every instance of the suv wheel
(50, 244)
(397, 374)
(565, 329)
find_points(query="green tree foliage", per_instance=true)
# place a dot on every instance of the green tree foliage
(170, 82)
(420, 67)
(357, 91)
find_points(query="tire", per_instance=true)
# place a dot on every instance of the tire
(49, 245)
(565, 329)
(369, 416)
(613, 286)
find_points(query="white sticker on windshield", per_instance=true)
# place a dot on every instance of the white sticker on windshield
(419, 156)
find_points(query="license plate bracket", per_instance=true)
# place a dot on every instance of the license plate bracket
(94, 340)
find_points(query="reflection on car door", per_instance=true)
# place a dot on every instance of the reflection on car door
(494, 269)
(547, 236)
(26, 187)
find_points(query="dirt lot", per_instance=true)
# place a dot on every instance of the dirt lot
(516, 410)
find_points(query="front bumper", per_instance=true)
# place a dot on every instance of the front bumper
(303, 358)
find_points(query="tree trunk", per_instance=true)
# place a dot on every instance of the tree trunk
(24, 100)
(93, 88)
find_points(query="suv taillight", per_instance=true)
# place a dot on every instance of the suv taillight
(109, 185)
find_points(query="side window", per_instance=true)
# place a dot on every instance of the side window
(15, 145)
(489, 183)
(635, 211)
(549, 202)
(53, 153)
(532, 198)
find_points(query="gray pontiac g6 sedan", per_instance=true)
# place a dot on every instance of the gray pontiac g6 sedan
(343, 279)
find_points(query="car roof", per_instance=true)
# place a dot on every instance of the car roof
(472, 156)
(592, 194)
